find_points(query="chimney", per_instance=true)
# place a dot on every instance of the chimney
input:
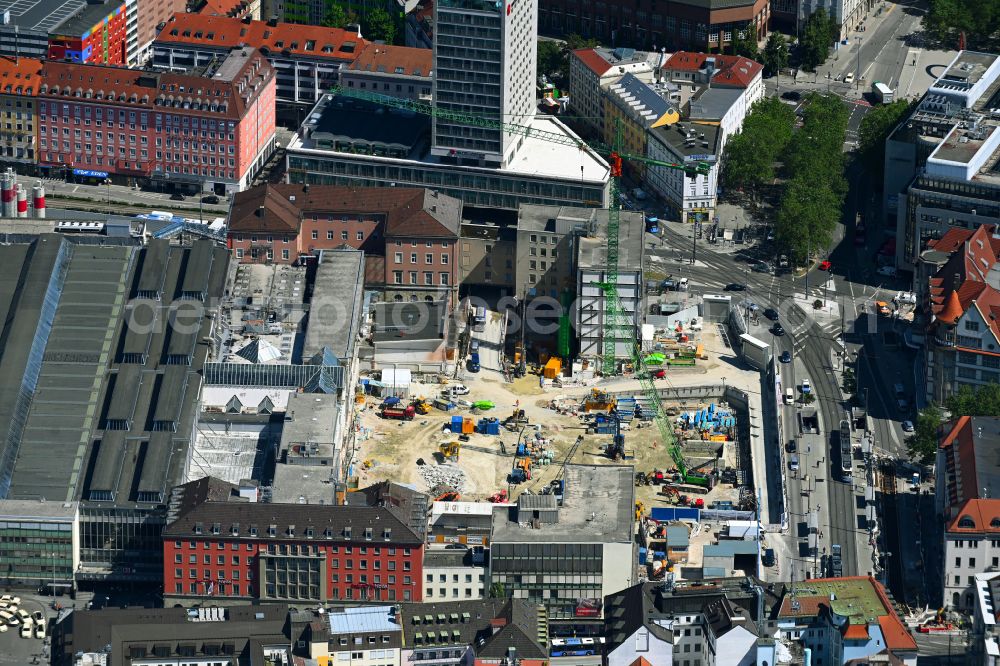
(260, 211)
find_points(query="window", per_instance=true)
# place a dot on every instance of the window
(972, 326)
(413, 277)
(444, 279)
(428, 280)
(444, 259)
(397, 277)
(428, 258)
(361, 235)
(958, 561)
(413, 257)
(315, 234)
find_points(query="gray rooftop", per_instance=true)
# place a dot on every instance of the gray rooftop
(402, 322)
(112, 404)
(89, 15)
(986, 444)
(559, 220)
(37, 509)
(335, 310)
(592, 251)
(969, 67)
(713, 103)
(962, 145)
(677, 137)
(42, 16)
(641, 100)
(597, 508)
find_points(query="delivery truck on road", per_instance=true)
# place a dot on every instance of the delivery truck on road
(882, 93)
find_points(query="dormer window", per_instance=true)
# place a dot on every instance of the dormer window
(368, 534)
(198, 528)
(387, 533)
(216, 528)
(291, 530)
(967, 522)
(347, 532)
(272, 530)
(310, 533)
(235, 529)
(253, 530)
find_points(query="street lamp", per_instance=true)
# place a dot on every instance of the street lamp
(857, 78)
(107, 216)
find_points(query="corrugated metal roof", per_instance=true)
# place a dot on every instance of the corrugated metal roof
(367, 619)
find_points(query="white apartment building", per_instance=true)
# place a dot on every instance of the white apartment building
(451, 575)
(848, 14)
(484, 64)
(592, 71)
(971, 546)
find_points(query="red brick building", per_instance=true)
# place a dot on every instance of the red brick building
(96, 35)
(698, 25)
(223, 545)
(410, 234)
(189, 133)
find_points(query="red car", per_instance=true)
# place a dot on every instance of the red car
(659, 374)
(825, 265)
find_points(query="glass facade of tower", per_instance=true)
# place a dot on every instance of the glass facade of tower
(468, 76)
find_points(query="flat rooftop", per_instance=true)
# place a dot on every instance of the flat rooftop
(962, 145)
(42, 16)
(28, 509)
(335, 310)
(677, 137)
(555, 219)
(560, 158)
(969, 67)
(597, 508)
(86, 18)
(592, 251)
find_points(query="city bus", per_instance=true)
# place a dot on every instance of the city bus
(573, 647)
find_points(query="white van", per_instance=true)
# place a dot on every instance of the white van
(789, 395)
(683, 284)
(849, 77)
(793, 462)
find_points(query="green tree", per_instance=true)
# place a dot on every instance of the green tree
(875, 128)
(945, 19)
(337, 16)
(575, 41)
(751, 154)
(775, 54)
(923, 443)
(551, 57)
(497, 591)
(817, 37)
(745, 43)
(982, 401)
(378, 25)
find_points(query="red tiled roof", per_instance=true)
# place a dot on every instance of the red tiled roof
(394, 60)
(593, 61)
(734, 71)
(409, 211)
(234, 8)
(224, 33)
(856, 632)
(102, 84)
(20, 76)
(952, 309)
(976, 516)
(641, 661)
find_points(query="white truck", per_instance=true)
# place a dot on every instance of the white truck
(882, 92)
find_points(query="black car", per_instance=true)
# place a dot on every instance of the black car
(791, 447)
(778, 330)
(177, 196)
(210, 199)
(792, 95)
(735, 286)
(786, 357)
(771, 314)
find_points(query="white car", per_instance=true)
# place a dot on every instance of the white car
(37, 617)
(849, 77)
(806, 386)
(457, 389)
(8, 618)
(8, 599)
(40, 631)
(26, 630)
(24, 615)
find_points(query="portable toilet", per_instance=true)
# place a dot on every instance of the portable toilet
(468, 426)
(456, 425)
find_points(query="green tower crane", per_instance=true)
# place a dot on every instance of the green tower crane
(615, 327)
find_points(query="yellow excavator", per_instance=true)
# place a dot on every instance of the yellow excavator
(450, 450)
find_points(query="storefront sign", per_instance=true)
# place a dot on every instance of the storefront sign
(87, 173)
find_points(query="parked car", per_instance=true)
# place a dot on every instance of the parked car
(26, 630)
(40, 631)
(825, 265)
(778, 330)
(177, 196)
(735, 286)
(908, 426)
(792, 95)
(806, 386)
(210, 199)
(458, 389)
(771, 314)
(786, 357)
(9, 599)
